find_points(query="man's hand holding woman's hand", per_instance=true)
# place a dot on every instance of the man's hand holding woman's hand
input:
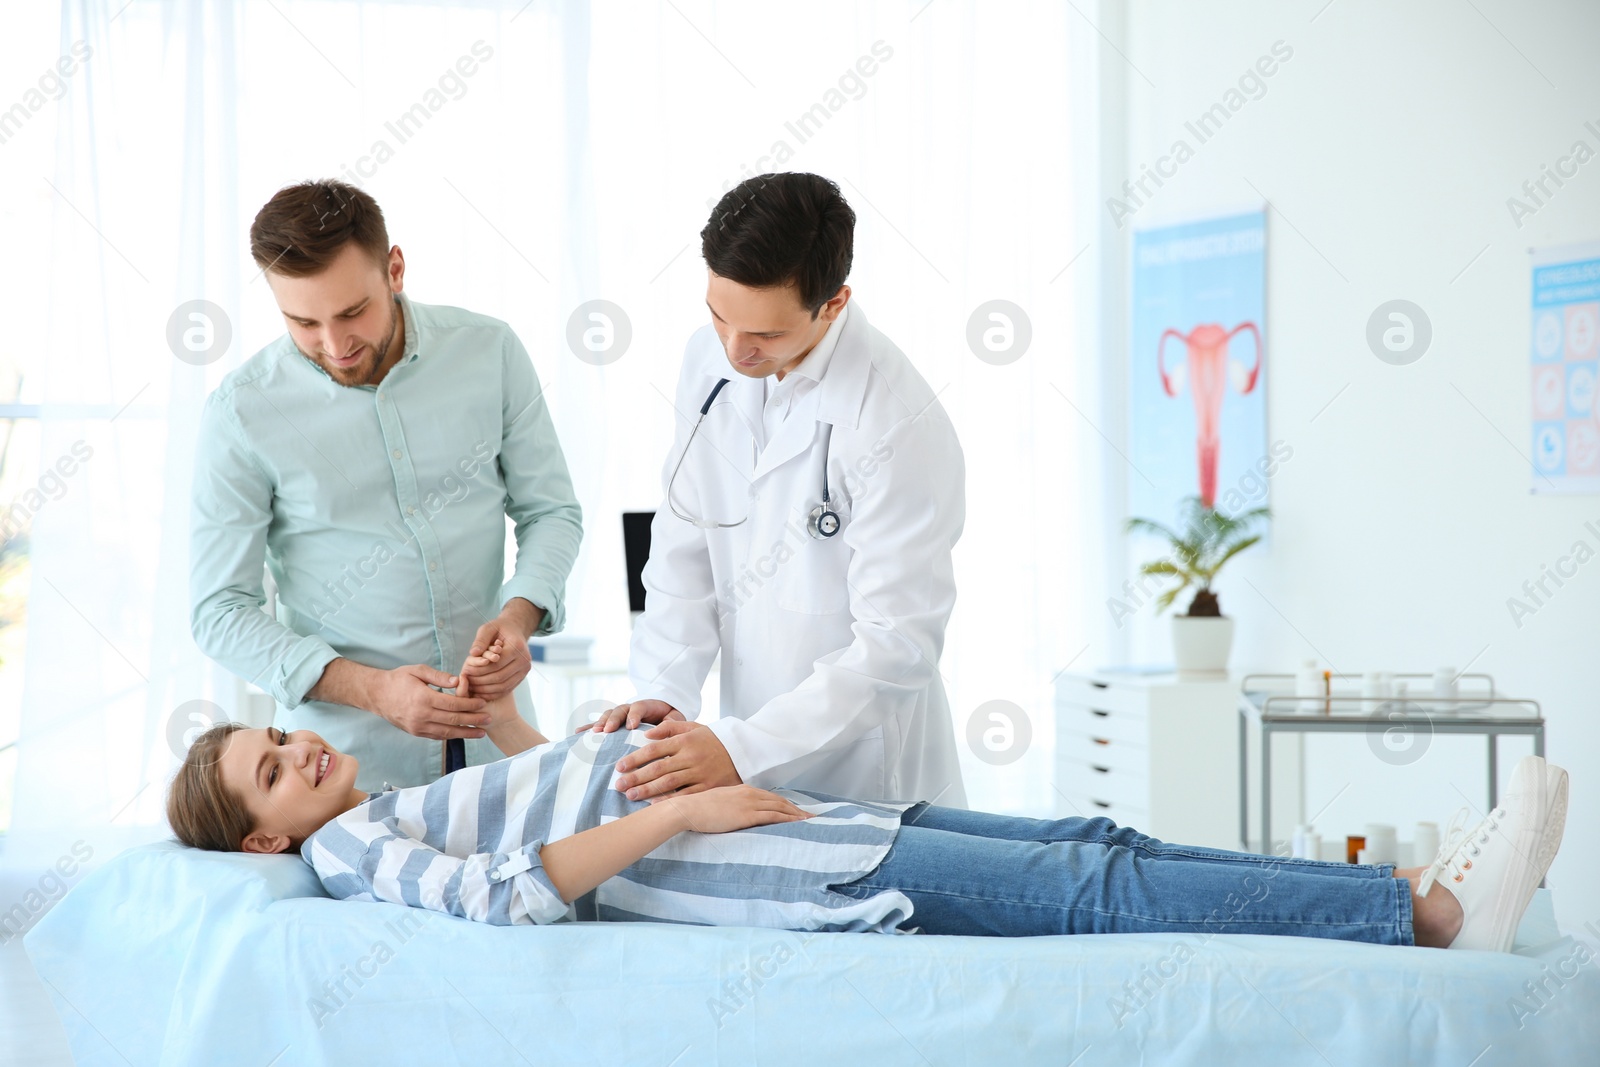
(406, 698)
(501, 709)
(516, 623)
(508, 730)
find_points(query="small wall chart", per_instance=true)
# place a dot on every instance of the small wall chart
(1565, 349)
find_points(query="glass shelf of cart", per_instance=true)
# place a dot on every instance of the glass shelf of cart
(1271, 698)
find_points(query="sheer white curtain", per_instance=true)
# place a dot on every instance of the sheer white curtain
(530, 158)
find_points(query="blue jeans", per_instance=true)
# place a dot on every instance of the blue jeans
(969, 872)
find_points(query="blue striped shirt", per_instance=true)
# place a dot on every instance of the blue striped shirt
(468, 844)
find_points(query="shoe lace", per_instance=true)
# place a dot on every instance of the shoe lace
(1460, 848)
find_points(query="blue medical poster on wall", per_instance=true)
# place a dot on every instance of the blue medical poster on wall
(1198, 418)
(1566, 363)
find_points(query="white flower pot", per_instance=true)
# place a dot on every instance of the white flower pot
(1201, 643)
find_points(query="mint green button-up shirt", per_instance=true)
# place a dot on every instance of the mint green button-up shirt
(381, 513)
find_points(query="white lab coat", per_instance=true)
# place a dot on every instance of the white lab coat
(830, 649)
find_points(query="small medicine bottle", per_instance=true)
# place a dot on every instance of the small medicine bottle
(1353, 844)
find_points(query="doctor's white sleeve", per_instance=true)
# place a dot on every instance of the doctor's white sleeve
(500, 888)
(901, 530)
(677, 637)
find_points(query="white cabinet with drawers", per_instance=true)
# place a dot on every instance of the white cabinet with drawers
(1157, 752)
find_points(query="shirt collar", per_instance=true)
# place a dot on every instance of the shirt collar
(413, 332)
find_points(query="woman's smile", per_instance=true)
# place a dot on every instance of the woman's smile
(291, 782)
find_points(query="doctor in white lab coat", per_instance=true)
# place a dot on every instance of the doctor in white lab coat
(830, 644)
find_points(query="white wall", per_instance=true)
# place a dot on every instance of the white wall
(1387, 146)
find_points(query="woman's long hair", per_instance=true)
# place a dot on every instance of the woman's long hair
(202, 811)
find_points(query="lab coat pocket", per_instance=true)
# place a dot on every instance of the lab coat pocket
(814, 581)
(860, 770)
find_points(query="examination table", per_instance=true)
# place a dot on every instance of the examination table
(165, 955)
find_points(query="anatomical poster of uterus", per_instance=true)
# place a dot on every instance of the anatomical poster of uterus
(1566, 364)
(1197, 384)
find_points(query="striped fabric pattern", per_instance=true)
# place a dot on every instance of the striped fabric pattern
(468, 845)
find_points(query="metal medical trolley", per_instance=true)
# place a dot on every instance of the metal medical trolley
(1480, 712)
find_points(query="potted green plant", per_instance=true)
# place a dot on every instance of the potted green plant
(1202, 637)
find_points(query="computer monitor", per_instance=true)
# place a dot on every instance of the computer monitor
(636, 546)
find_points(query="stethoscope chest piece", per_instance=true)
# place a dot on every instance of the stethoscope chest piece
(823, 522)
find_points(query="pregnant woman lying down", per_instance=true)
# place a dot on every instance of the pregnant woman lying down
(542, 836)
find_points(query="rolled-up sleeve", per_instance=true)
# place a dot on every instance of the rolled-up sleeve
(539, 496)
(230, 511)
(499, 888)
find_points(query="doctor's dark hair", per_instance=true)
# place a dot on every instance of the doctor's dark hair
(201, 810)
(780, 229)
(303, 227)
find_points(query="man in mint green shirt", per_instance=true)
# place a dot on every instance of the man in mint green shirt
(370, 458)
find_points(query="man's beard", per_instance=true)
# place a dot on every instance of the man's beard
(388, 338)
(356, 375)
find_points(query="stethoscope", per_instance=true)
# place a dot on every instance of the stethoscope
(822, 523)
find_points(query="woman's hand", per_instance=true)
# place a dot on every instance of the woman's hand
(509, 731)
(492, 663)
(517, 620)
(630, 716)
(731, 807)
(479, 665)
(501, 709)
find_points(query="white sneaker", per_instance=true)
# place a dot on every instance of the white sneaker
(1493, 869)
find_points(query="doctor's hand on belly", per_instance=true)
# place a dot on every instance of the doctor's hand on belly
(630, 716)
(682, 757)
